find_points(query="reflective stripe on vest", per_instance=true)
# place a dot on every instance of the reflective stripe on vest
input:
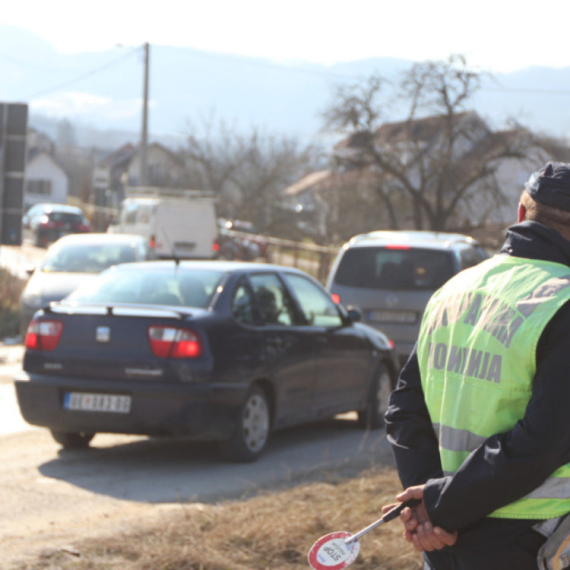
(477, 357)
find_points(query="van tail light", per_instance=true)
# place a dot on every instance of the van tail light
(152, 242)
(215, 247)
(43, 335)
(335, 298)
(172, 342)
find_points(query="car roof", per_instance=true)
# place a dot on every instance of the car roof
(62, 208)
(423, 239)
(215, 265)
(100, 238)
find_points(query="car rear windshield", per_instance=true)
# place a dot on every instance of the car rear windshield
(159, 286)
(65, 217)
(86, 258)
(394, 269)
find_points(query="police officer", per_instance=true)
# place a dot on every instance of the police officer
(480, 419)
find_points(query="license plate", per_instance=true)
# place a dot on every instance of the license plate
(97, 402)
(386, 316)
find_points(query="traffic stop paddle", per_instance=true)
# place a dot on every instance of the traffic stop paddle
(337, 550)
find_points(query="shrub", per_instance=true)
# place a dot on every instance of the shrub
(11, 288)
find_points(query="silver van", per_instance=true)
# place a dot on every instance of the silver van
(390, 276)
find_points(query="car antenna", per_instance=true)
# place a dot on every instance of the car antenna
(172, 250)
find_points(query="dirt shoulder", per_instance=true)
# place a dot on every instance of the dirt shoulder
(274, 530)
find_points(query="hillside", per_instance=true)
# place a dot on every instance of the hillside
(102, 91)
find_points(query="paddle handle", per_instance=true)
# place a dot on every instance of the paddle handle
(390, 515)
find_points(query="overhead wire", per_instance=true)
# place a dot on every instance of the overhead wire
(85, 75)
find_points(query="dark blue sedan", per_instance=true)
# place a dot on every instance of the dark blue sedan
(221, 351)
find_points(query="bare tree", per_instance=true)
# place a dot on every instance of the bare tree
(246, 170)
(270, 163)
(437, 162)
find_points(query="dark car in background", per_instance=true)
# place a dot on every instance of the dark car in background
(239, 239)
(212, 350)
(390, 276)
(73, 260)
(45, 223)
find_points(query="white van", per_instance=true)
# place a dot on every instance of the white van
(176, 223)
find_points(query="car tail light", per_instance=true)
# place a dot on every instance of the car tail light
(396, 246)
(172, 342)
(335, 298)
(43, 335)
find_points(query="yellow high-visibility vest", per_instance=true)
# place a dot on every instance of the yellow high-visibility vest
(477, 357)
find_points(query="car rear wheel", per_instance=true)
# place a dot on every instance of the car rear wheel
(372, 417)
(252, 433)
(72, 440)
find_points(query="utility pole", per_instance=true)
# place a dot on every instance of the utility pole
(144, 131)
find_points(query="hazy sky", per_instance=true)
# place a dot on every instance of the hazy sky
(495, 35)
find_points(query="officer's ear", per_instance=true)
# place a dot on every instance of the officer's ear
(522, 213)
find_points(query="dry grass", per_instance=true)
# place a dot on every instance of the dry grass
(269, 532)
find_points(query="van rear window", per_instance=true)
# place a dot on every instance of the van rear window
(394, 269)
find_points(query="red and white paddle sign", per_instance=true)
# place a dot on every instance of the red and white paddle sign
(331, 552)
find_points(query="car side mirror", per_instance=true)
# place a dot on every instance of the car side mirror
(354, 314)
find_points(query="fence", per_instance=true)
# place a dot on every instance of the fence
(311, 258)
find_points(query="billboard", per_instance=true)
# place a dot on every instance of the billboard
(13, 129)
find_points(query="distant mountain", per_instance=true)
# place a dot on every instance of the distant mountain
(100, 93)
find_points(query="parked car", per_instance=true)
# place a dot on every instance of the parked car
(73, 260)
(214, 350)
(239, 239)
(390, 276)
(45, 223)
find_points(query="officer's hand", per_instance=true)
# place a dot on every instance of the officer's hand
(419, 529)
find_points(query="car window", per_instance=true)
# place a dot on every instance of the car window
(318, 308)
(274, 303)
(144, 214)
(164, 286)
(65, 217)
(242, 305)
(86, 258)
(130, 214)
(471, 256)
(394, 269)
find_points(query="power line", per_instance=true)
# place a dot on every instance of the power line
(529, 90)
(254, 62)
(21, 62)
(85, 75)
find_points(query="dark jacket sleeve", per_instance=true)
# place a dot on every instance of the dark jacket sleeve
(507, 466)
(410, 430)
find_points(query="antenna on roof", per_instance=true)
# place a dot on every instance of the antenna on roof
(172, 249)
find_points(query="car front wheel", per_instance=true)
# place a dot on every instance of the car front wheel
(72, 440)
(372, 417)
(252, 432)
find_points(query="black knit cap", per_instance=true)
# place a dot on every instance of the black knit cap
(551, 185)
